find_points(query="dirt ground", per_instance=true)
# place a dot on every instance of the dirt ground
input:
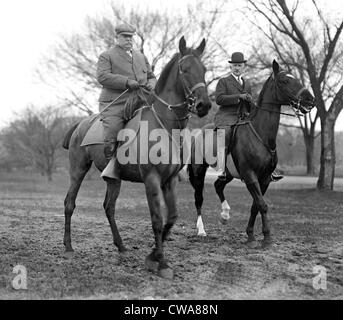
(307, 228)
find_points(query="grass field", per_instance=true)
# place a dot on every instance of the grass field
(307, 228)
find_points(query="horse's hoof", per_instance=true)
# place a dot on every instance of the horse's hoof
(68, 248)
(223, 221)
(252, 244)
(166, 273)
(202, 234)
(122, 249)
(266, 244)
(151, 265)
(68, 254)
(123, 254)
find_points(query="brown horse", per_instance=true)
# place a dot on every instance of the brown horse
(253, 150)
(180, 89)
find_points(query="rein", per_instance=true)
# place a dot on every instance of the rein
(279, 112)
(270, 150)
(189, 94)
(292, 102)
(295, 102)
(189, 101)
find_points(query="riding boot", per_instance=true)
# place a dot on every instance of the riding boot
(109, 149)
(110, 170)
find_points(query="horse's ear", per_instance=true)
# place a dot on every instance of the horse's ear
(276, 67)
(182, 45)
(201, 47)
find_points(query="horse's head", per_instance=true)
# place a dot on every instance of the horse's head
(290, 91)
(192, 76)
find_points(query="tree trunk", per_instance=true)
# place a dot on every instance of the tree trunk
(48, 171)
(309, 145)
(327, 156)
(49, 175)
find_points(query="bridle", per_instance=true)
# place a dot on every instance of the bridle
(189, 92)
(189, 101)
(295, 101)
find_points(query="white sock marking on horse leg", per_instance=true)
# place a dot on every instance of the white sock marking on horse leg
(225, 214)
(200, 227)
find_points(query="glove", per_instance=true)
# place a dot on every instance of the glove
(132, 84)
(246, 96)
(150, 86)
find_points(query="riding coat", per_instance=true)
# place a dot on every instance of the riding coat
(227, 92)
(114, 68)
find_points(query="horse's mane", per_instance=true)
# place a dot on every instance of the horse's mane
(166, 70)
(165, 73)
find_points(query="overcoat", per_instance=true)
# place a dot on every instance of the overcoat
(227, 92)
(115, 67)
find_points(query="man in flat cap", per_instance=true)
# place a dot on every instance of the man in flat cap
(118, 69)
(229, 92)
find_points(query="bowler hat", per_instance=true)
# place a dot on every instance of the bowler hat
(237, 57)
(125, 29)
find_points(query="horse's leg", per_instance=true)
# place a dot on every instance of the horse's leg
(197, 181)
(112, 193)
(79, 166)
(169, 196)
(267, 240)
(252, 243)
(219, 186)
(257, 191)
(155, 261)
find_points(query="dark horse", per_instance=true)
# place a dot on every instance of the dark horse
(254, 150)
(179, 90)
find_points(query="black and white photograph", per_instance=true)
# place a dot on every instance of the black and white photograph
(188, 152)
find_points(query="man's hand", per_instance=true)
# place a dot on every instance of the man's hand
(150, 86)
(246, 96)
(132, 84)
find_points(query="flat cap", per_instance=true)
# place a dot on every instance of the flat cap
(125, 28)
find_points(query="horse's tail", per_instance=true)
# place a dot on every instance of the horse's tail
(67, 137)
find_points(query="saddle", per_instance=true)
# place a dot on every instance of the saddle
(95, 133)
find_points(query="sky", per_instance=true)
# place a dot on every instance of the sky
(29, 28)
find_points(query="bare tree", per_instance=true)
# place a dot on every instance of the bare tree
(35, 137)
(321, 59)
(70, 67)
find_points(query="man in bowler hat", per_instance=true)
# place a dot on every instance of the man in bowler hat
(230, 91)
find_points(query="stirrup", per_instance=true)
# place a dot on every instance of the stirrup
(276, 177)
(110, 170)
